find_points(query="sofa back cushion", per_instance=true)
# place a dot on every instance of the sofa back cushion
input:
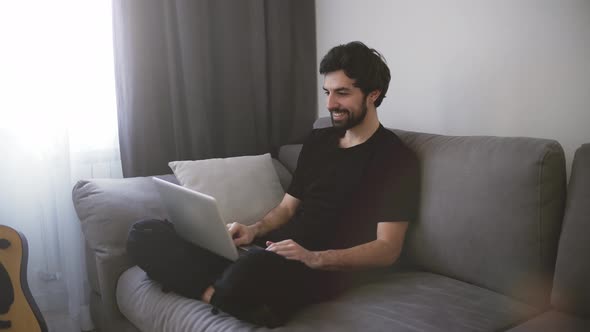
(490, 211)
(571, 286)
(245, 187)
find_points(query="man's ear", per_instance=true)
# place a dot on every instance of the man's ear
(374, 95)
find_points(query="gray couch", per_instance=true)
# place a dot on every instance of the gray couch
(480, 257)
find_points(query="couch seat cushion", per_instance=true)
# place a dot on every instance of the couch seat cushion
(142, 301)
(402, 301)
(552, 321)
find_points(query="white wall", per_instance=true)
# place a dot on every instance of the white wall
(474, 67)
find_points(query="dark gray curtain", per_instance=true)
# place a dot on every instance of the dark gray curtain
(207, 79)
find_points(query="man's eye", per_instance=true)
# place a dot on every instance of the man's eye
(326, 93)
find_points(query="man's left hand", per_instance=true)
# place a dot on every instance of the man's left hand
(293, 251)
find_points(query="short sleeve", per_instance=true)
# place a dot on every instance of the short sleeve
(400, 188)
(297, 186)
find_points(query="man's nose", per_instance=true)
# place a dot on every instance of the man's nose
(331, 102)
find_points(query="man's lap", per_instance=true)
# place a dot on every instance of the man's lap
(258, 278)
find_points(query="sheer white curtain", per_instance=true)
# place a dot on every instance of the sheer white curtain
(57, 125)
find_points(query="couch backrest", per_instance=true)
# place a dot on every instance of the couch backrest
(490, 211)
(571, 286)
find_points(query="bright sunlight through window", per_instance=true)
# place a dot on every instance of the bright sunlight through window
(57, 74)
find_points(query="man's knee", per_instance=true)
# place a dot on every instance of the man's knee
(146, 238)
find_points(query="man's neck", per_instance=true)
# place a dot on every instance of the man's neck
(361, 132)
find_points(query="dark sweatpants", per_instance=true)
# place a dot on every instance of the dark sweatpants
(258, 282)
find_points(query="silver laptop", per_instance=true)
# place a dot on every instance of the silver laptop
(196, 219)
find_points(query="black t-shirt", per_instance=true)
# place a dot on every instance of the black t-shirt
(346, 192)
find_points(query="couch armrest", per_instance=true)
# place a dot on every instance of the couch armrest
(571, 292)
(109, 268)
(108, 207)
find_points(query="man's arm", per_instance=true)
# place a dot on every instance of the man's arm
(274, 219)
(383, 251)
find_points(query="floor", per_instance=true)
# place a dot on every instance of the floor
(58, 322)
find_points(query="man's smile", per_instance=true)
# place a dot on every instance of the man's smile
(339, 114)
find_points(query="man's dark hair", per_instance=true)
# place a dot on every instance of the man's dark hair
(365, 65)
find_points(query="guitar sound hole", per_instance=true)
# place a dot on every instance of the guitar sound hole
(4, 243)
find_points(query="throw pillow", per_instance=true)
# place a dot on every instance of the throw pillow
(246, 188)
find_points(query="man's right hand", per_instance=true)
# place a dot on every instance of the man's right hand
(241, 234)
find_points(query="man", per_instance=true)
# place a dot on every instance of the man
(347, 209)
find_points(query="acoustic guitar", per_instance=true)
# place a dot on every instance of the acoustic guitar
(18, 310)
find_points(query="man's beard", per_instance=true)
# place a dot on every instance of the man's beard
(350, 121)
